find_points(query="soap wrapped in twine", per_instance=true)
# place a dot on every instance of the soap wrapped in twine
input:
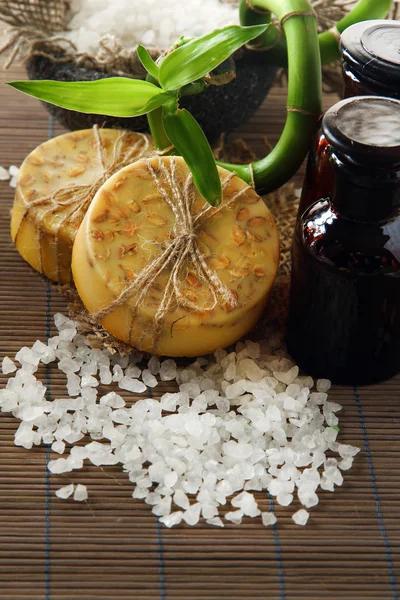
(178, 252)
(79, 196)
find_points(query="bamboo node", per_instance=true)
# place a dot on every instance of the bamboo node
(260, 47)
(298, 13)
(259, 11)
(335, 32)
(302, 111)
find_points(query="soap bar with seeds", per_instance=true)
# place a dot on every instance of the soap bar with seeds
(164, 271)
(56, 184)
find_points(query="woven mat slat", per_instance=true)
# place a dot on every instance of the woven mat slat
(112, 548)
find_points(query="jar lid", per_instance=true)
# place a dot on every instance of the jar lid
(366, 129)
(373, 50)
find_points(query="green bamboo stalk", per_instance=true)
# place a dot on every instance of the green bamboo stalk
(304, 96)
(328, 40)
(156, 126)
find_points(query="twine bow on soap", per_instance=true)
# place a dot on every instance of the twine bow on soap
(79, 196)
(180, 253)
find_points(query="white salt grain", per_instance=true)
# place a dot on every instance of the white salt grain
(58, 446)
(172, 519)
(4, 174)
(8, 366)
(235, 516)
(215, 521)
(323, 385)
(132, 385)
(268, 518)
(148, 379)
(80, 493)
(65, 492)
(301, 516)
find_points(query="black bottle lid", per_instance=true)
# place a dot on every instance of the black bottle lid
(372, 49)
(364, 136)
(366, 130)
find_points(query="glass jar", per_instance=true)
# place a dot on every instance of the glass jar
(371, 66)
(344, 319)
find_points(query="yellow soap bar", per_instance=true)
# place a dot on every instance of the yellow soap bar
(164, 271)
(56, 184)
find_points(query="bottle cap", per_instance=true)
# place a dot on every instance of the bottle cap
(366, 129)
(372, 49)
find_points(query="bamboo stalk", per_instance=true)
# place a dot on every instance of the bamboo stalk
(304, 96)
(276, 45)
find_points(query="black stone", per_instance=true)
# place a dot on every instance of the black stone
(218, 109)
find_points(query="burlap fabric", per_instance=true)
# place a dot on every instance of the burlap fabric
(35, 27)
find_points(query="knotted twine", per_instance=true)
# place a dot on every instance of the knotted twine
(79, 196)
(180, 253)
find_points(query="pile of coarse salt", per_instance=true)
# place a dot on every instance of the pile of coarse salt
(154, 23)
(239, 422)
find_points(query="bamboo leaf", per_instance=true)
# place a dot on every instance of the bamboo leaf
(114, 96)
(200, 56)
(191, 143)
(147, 62)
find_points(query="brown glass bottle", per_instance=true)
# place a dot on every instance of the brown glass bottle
(344, 320)
(371, 66)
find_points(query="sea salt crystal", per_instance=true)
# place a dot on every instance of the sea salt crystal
(192, 514)
(58, 446)
(73, 384)
(105, 375)
(89, 381)
(172, 519)
(148, 379)
(234, 516)
(4, 174)
(117, 373)
(80, 493)
(132, 385)
(323, 385)
(287, 377)
(153, 365)
(133, 371)
(247, 504)
(301, 516)
(168, 370)
(216, 522)
(8, 366)
(24, 436)
(181, 500)
(65, 492)
(112, 400)
(268, 518)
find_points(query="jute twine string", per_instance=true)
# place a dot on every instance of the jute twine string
(180, 252)
(79, 196)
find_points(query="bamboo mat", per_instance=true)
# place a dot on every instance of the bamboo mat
(112, 547)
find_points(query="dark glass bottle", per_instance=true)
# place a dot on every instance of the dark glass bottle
(371, 66)
(344, 319)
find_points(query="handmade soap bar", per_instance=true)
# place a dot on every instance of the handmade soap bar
(163, 270)
(56, 184)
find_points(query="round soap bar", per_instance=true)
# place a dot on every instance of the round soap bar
(56, 184)
(164, 271)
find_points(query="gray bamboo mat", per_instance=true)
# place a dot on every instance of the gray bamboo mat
(112, 547)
